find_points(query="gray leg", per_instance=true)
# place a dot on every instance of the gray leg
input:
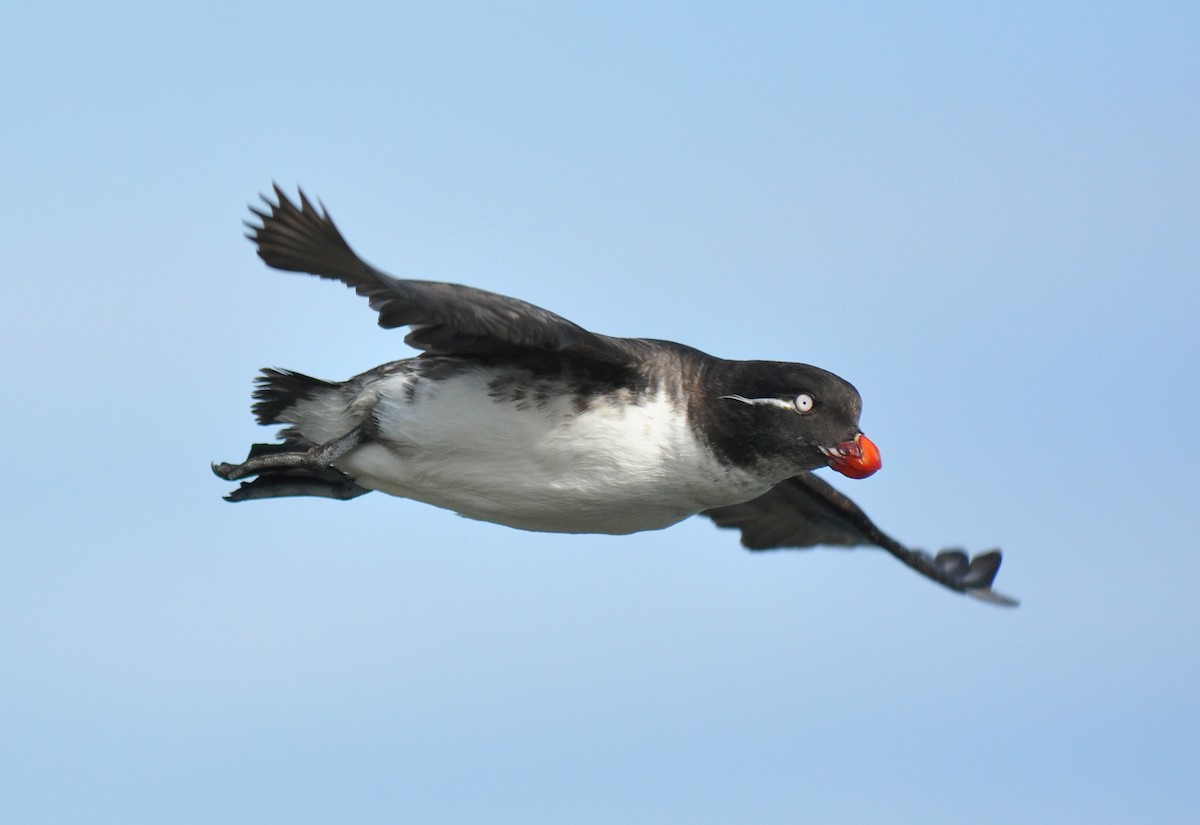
(316, 458)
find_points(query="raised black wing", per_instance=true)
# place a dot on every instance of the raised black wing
(804, 511)
(445, 318)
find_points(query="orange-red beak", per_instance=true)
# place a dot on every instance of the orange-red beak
(854, 459)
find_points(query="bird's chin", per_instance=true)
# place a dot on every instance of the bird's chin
(857, 458)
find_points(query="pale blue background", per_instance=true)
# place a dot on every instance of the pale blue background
(986, 216)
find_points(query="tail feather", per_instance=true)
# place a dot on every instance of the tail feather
(276, 390)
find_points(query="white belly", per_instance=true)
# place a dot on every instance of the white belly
(540, 464)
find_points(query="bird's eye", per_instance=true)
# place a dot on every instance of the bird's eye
(803, 402)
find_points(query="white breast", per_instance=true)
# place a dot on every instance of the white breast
(621, 465)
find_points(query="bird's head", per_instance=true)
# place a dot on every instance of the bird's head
(792, 415)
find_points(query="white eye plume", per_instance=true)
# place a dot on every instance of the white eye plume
(802, 403)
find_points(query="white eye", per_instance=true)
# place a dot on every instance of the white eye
(803, 402)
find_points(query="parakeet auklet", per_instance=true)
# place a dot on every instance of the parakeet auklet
(515, 415)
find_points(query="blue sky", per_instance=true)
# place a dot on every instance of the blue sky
(985, 216)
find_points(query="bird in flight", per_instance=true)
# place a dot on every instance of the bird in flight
(515, 415)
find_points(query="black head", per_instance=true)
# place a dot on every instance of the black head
(779, 417)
